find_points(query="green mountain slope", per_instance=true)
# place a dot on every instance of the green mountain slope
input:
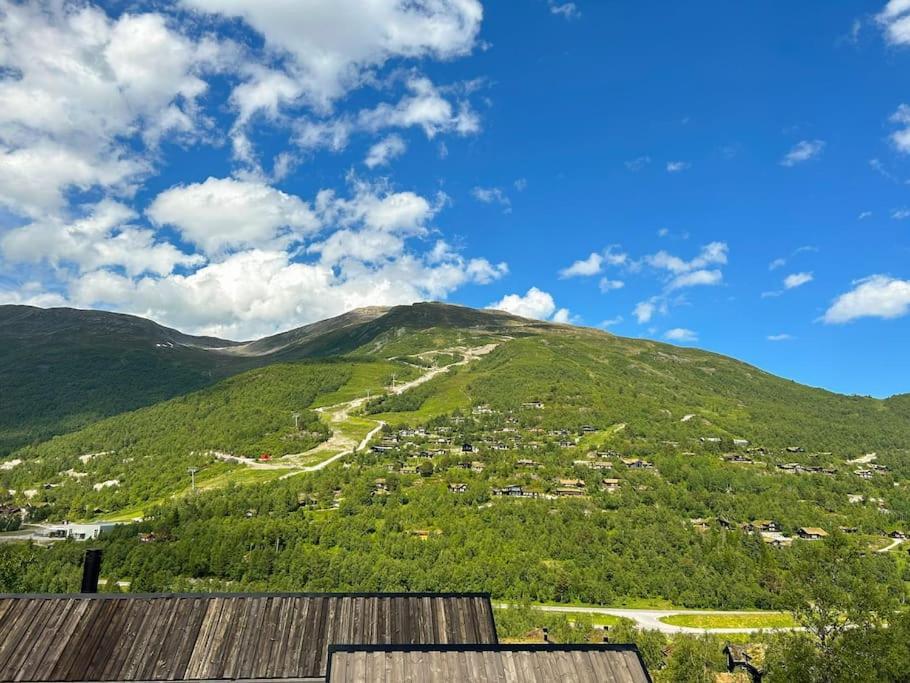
(63, 368)
(650, 397)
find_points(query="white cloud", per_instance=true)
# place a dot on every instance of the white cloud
(901, 138)
(82, 94)
(562, 316)
(521, 184)
(777, 263)
(638, 163)
(696, 278)
(222, 214)
(102, 238)
(900, 214)
(534, 303)
(334, 46)
(584, 267)
(779, 337)
(385, 150)
(678, 166)
(568, 10)
(714, 253)
(610, 322)
(895, 20)
(607, 285)
(644, 310)
(681, 334)
(492, 195)
(864, 215)
(877, 296)
(795, 280)
(803, 151)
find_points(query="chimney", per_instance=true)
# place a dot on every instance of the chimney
(91, 569)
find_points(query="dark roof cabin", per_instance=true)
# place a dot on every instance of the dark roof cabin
(504, 663)
(234, 636)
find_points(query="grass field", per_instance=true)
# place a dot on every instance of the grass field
(752, 620)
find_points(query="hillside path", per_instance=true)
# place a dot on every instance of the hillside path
(340, 443)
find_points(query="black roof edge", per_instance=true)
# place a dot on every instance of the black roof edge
(121, 596)
(481, 647)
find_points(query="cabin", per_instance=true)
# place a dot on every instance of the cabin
(568, 492)
(458, 488)
(795, 449)
(538, 663)
(226, 636)
(566, 443)
(898, 535)
(776, 539)
(610, 485)
(588, 429)
(510, 490)
(477, 466)
(527, 463)
(811, 533)
(725, 523)
(760, 525)
(572, 483)
(636, 463)
(467, 448)
(863, 473)
(740, 443)
(379, 448)
(737, 457)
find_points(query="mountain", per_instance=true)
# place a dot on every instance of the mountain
(63, 368)
(438, 447)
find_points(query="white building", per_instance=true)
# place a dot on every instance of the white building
(80, 532)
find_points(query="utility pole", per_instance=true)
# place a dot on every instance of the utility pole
(192, 471)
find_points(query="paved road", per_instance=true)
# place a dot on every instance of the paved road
(651, 619)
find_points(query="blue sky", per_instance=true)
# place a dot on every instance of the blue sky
(734, 177)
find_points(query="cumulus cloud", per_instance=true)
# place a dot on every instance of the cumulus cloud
(644, 311)
(223, 213)
(584, 267)
(101, 238)
(895, 21)
(534, 303)
(333, 46)
(678, 166)
(681, 334)
(795, 280)
(384, 151)
(803, 151)
(81, 95)
(877, 296)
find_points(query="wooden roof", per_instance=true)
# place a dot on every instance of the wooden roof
(219, 636)
(500, 663)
